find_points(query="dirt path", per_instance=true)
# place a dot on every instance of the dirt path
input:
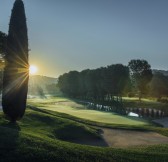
(163, 121)
(125, 138)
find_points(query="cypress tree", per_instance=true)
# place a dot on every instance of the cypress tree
(15, 79)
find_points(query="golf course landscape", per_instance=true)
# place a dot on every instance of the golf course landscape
(59, 128)
(83, 81)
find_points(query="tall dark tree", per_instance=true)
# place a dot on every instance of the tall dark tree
(141, 74)
(15, 80)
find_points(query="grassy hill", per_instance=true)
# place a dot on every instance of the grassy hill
(46, 136)
(43, 80)
(42, 84)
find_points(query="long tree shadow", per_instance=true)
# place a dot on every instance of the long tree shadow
(9, 134)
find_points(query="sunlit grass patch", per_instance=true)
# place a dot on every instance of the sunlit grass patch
(64, 105)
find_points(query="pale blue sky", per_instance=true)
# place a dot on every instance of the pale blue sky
(78, 34)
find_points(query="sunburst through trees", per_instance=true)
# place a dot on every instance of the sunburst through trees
(16, 72)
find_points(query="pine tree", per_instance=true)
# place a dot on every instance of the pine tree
(15, 80)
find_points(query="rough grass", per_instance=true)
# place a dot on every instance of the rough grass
(36, 138)
(63, 105)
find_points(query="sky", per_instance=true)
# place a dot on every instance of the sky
(69, 35)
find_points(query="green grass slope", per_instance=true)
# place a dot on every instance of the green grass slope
(39, 137)
(64, 105)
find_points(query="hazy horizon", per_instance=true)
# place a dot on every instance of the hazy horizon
(75, 35)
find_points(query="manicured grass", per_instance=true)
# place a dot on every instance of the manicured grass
(70, 107)
(37, 138)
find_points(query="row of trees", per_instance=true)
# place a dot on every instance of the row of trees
(98, 85)
(106, 85)
(112, 80)
(103, 85)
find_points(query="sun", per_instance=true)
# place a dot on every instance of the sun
(33, 69)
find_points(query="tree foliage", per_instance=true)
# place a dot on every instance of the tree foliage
(159, 85)
(141, 75)
(3, 41)
(103, 85)
(15, 80)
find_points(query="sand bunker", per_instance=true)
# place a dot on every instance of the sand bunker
(125, 138)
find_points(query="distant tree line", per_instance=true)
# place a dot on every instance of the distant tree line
(102, 86)
(106, 85)
(97, 85)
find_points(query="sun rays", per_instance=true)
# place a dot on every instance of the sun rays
(33, 69)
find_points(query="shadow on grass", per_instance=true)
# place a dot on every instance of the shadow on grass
(79, 134)
(9, 134)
